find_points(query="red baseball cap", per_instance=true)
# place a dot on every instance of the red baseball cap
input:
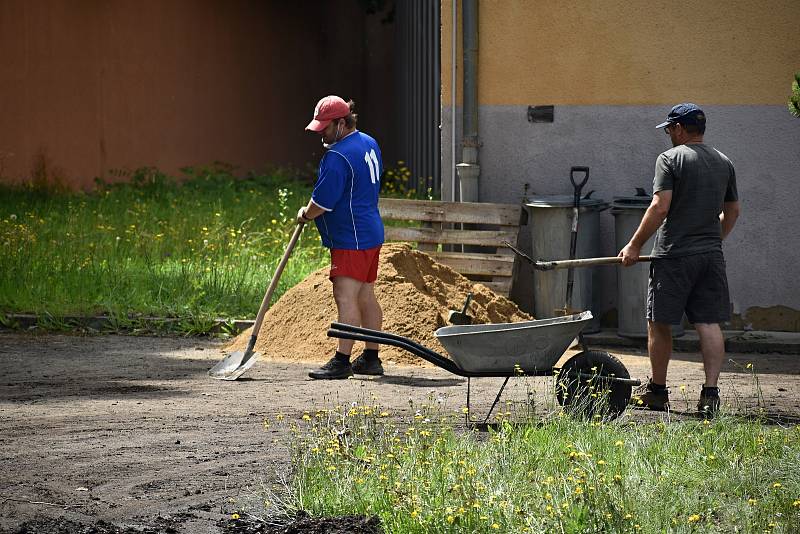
(329, 108)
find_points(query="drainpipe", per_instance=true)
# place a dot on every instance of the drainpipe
(468, 169)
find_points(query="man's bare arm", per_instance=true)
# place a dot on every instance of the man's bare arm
(653, 217)
(727, 219)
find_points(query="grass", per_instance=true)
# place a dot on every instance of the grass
(424, 474)
(196, 251)
(193, 250)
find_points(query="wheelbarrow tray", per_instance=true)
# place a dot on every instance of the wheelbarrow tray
(506, 348)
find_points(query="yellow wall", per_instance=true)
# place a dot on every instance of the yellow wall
(634, 52)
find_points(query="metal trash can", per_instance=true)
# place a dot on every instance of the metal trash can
(551, 224)
(632, 281)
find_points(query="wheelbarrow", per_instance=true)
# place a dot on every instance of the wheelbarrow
(591, 382)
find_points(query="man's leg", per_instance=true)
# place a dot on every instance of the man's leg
(712, 345)
(346, 294)
(659, 347)
(370, 311)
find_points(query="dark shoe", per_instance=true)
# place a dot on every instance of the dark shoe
(646, 397)
(709, 402)
(333, 370)
(367, 366)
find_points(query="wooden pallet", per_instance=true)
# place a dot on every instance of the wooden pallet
(442, 225)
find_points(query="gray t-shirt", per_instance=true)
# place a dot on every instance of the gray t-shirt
(701, 179)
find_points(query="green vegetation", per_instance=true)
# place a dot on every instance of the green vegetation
(194, 250)
(197, 251)
(557, 475)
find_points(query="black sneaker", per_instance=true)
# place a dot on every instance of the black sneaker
(367, 366)
(646, 397)
(333, 370)
(709, 402)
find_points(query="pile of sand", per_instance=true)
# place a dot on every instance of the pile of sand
(415, 292)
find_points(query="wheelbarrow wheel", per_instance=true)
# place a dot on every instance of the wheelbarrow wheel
(585, 385)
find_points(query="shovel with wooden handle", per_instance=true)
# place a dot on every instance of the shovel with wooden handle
(567, 264)
(236, 363)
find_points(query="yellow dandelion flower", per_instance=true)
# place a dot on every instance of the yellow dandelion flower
(749, 366)
(495, 526)
(414, 513)
(234, 516)
(752, 501)
(619, 443)
(694, 518)
(450, 519)
(777, 485)
(628, 516)
(796, 503)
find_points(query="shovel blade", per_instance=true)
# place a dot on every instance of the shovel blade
(233, 365)
(458, 318)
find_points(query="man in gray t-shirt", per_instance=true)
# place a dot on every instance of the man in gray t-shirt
(695, 206)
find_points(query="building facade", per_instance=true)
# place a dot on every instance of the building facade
(611, 70)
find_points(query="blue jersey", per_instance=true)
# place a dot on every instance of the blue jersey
(347, 189)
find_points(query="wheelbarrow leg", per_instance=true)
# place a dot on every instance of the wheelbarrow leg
(496, 399)
(466, 415)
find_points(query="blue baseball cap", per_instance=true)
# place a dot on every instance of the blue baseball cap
(686, 113)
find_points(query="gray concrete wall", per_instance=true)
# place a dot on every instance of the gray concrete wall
(620, 144)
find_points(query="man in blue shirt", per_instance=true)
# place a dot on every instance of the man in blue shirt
(344, 206)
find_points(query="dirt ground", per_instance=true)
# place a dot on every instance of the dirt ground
(117, 434)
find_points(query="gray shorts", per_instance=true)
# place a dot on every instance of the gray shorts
(696, 284)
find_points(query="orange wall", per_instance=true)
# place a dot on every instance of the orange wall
(101, 85)
(596, 52)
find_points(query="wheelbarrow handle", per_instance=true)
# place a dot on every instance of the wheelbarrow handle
(355, 333)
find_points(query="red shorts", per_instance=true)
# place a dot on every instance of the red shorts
(361, 265)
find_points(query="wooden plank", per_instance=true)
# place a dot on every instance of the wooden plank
(476, 264)
(501, 287)
(486, 238)
(450, 212)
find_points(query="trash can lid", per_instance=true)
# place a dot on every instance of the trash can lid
(564, 201)
(639, 201)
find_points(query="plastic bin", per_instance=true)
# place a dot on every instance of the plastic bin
(551, 225)
(632, 281)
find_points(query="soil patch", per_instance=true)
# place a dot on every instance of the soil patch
(302, 524)
(415, 292)
(130, 433)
